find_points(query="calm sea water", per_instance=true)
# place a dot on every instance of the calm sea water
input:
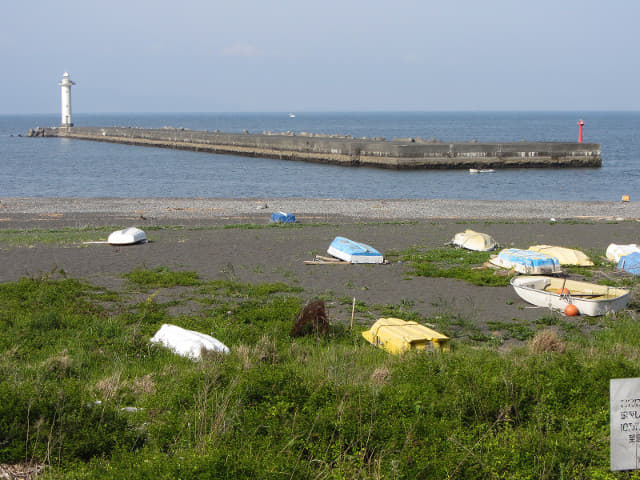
(54, 167)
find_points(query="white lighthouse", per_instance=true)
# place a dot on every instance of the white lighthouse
(65, 86)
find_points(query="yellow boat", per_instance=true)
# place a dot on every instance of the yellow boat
(398, 336)
(566, 256)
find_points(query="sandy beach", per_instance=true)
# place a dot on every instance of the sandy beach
(278, 254)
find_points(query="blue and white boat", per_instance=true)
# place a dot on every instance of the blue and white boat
(527, 262)
(354, 252)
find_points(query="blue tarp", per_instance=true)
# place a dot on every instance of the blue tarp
(283, 217)
(630, 263)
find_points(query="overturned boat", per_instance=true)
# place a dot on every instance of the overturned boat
(556, 293)
(615, 252)
(472, 240)
(398, 336)
(526, 262)
(354, 252)
(127, 236)
(566, 256)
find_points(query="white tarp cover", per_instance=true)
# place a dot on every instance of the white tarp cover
(187, 343)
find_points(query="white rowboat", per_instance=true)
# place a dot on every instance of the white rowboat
(589, 298)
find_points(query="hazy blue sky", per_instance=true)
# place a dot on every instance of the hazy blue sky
(330, 55)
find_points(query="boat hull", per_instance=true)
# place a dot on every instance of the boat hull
(127, 236)
(354, 252)
(590, 299)
(471, 240)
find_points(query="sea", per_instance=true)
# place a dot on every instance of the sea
(58, 167)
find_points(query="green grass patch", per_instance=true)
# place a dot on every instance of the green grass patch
(162, 277)
(456, 263)
(85, 393)
(62, 236)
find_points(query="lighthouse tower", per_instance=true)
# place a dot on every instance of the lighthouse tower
(65, 86)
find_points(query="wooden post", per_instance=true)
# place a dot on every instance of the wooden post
(353, 312)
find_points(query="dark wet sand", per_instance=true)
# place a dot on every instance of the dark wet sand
(278, 254)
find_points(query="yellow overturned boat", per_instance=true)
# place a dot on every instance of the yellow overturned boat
(398, 336)
(566, 256)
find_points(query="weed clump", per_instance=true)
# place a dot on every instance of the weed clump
(312, 319)
(547, 340)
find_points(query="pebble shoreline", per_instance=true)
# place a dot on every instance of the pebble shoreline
(391, 209)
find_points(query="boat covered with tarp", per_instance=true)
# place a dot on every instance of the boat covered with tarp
(630, 263)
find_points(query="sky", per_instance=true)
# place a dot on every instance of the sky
(329, 55)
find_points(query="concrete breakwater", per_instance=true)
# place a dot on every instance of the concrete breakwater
(400, 153)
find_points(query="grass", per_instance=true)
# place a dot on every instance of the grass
(456, 263)
(14, 237)
(85, 393)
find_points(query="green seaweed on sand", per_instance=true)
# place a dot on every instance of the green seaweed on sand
(447, 262)
(162, 277)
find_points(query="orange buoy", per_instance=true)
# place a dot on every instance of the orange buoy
(563, 291)
(571, 310)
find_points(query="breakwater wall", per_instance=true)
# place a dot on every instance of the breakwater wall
(400, 153)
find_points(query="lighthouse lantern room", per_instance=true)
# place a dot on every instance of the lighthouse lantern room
(65, 86)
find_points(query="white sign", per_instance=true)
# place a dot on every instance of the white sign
(625, 423)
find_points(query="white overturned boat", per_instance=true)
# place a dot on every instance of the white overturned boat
(472, 240)
(354, 252)
(589, 298)
(616, 252)
(127, 236)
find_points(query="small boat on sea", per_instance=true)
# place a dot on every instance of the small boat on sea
(589, 298)
(471, 240)
(398, 336)
(354, 252)
(566, 256)
(127, 236)
(526, 261)
(482, 170)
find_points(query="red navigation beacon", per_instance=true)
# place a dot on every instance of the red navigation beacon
(580, 124)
